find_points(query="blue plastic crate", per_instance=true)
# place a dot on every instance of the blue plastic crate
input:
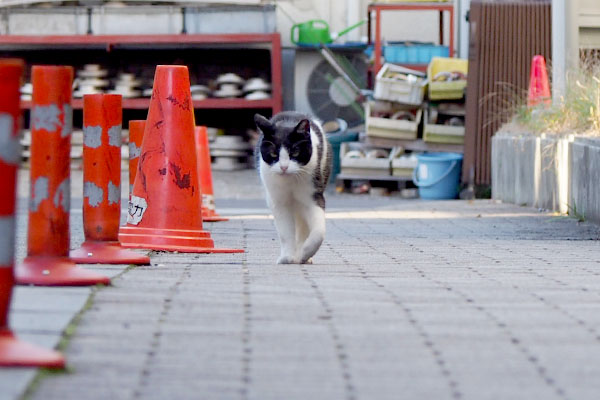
(413, 53)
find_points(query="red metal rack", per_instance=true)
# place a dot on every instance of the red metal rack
(10, 43)
(379, 8)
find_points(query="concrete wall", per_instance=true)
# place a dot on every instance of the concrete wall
(589, 24)
(554, 173)
(585, 178)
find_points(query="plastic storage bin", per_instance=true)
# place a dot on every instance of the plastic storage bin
(364, 165)
(403, 164)
(436, 133)
(413, 53)
(399, 84)
(447, 90)
(390, 128)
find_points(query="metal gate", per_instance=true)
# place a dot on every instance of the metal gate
(504, 36)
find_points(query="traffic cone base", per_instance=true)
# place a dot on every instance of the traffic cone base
(104, 252)
(56, 271)
(214, 219)
(212, 216)
(141, 231)
(16, 353)
(173, 242)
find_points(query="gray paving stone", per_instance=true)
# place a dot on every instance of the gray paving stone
(406, 299)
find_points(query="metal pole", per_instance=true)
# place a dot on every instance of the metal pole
(565, 44)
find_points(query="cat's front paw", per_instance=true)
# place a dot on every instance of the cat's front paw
(287, 260)
(309, 261)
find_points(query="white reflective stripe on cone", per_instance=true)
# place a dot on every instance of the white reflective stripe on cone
(7, 241)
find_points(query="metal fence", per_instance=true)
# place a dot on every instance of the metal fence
(504, 36)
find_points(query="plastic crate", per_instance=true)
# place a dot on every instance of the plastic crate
(436, 133)
(391, 128)
(402, 164)
(399, 84)
(452, 90)
(413, 53)
(363, 166)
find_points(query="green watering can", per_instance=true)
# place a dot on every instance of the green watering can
(316, 31)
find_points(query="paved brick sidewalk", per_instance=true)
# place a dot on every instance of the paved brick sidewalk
(410, 300)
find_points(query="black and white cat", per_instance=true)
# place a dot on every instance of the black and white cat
(294, 162)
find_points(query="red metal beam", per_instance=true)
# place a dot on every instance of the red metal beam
(378, 8)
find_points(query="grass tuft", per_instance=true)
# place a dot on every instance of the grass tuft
(578, 111)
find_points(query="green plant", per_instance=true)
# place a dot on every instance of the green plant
(580, 216)
(578, 110)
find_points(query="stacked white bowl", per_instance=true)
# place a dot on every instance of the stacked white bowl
(229, 85)
(89, 80)
(256, 89)
(127, 86)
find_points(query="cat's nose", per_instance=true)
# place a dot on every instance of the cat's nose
(283, 168)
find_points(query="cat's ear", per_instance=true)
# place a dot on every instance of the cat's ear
(303, 127)
(265, 126)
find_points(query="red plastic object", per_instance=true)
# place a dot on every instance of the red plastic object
(47, 261)
(165, 206)
(13, 352)
(539, 85)
(209, 212)
(102, 119)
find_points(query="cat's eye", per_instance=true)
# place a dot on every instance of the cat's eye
(295, 152)
(273, 153)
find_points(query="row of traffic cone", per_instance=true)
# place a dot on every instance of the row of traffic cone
(165, 207)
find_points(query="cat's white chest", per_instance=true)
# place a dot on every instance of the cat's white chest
(286, 188)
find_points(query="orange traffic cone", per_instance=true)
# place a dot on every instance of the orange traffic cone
(136, 134)
(165, 206)
(47, 261)
(13, 352)
(209, 213)
(539, 86)
(102, 119)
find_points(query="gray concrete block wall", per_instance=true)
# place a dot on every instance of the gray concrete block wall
(585, 179)
(531, 170)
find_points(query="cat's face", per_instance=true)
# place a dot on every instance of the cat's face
(286, 149)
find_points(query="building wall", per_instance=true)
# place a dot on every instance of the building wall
(396, 25)
(589, 24)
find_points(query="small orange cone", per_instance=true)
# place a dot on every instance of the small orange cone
(136, 134)
(209, 213)
(539, 86)
(165, 206)
(102, 119)
(13, 352)
(47, 261)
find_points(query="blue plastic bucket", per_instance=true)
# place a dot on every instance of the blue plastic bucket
(437, 175)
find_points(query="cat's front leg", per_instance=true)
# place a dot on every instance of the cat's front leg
(315, 220)
(286, 230)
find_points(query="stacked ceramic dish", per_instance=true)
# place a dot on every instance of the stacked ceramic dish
(26, 91)
(228, 85)
(229, 153)
(199, 92)
(90, 80)
(256, 89)
(127, 86)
